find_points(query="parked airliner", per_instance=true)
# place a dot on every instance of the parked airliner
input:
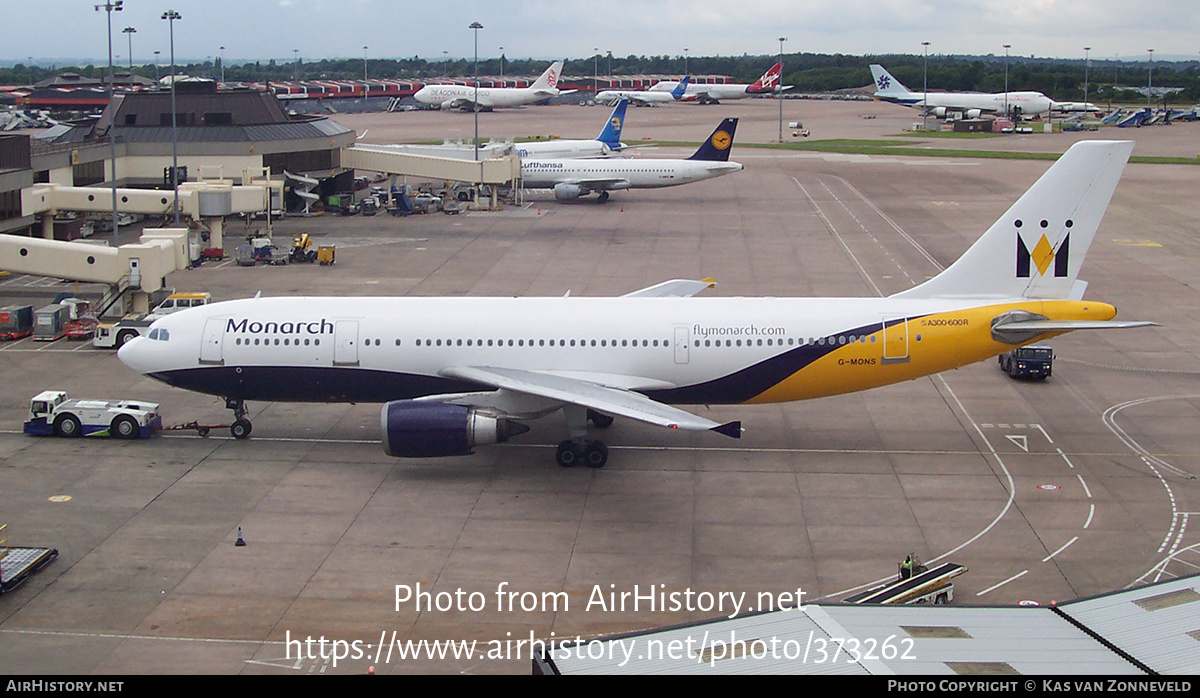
(713, 94)
(645, 97)
(467, 97)
(456, 373)
(968, 104)
(603, 145)
(571, 179)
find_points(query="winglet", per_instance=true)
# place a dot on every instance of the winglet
(733, 430)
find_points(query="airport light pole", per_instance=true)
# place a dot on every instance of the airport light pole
(156, 67)
(685, 61)
(779, 87)
(1150, 79)
(1006, 48)
(1087, 64)
(595, 72)
(502, 67)
(130, 31)
(222, 65)
(295, 64)
(111, 7)
(925, 88)
(171, 16)
(364, 71)
(475, 27)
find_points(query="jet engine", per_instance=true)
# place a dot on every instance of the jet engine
(939, 112)
(974, 113)
(567, 192)
(413, 429)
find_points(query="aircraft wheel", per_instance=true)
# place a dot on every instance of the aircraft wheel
(601, 420)
(124, 427)
(68, 426)
(240, 428)
(568, 454)
(602, 198)
(595, 455)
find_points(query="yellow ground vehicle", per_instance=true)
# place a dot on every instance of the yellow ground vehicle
(302, 249)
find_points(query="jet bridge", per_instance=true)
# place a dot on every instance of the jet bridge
(497, 170)
(206, 201)
(132, 272)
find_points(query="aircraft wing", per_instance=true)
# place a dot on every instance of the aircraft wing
(675, 288)
(602, 398)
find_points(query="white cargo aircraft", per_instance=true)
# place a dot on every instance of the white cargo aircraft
(456, 373)
(968, 104)
(571, 179)
(467, 98)
(713, 94)
(603, 145)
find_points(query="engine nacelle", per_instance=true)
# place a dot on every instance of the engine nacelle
(974, 113)
(413, 429)
(567, 192)
(939, 112)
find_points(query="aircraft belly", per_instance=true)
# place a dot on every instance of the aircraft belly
(310, 383)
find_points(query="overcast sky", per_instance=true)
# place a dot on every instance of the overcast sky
(60, 31)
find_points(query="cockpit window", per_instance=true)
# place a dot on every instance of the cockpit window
(153, 334)
(160, 334)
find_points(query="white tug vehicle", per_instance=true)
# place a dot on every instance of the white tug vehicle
(52, 413)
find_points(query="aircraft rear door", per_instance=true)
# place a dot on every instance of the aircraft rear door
(895, 340)
(345, 343)
(682, 343)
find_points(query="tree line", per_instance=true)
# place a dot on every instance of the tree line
(1060, 79)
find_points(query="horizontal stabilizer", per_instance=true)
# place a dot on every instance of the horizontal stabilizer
(733, 430)
(1070, 325)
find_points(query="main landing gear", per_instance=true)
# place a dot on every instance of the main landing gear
(578, 450)
(602, 198)
(241, 427)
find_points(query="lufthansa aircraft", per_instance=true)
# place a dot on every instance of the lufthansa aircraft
(573, 178)
(457, 373)
(467, 97)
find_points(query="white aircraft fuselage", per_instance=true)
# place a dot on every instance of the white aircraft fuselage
(621, 173)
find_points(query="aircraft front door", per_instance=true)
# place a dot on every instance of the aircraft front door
(210, 343)
(345, 343)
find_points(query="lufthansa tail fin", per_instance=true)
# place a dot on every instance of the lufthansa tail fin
(611, 135)
(717, 146)
(887, 86)
(1036, 248)
(681, 88)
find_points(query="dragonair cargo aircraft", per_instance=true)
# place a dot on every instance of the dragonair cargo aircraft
(603, 145)
(457, 373)
(571, 179)
(645, 97)
(713, 94)
(466, 97)
(969, 104)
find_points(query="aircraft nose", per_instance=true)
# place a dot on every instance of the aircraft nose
(136, 354)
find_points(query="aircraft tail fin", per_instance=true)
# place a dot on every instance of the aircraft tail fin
(769, 82)
(549, 79)
(681, 88)
(717, 146)
(611, 135)
(886, 85)
(1035, 250)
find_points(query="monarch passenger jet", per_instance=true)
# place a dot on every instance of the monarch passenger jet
(457, 373)
(573, 178)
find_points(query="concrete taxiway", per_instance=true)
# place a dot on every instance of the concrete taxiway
(1047, 491)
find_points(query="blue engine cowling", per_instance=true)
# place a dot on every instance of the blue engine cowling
(413, 429)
